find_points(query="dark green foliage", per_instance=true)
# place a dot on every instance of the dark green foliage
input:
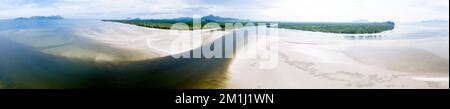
(161, 24)
(344, 28)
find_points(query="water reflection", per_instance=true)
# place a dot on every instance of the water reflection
(363, 37)
(23, 64)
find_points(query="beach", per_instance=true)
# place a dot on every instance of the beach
(115, 55)
(321, 61)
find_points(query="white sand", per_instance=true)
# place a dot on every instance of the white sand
(103, 41)
(310, 60)
(307, 59)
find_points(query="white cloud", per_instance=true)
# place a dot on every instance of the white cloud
(286, 10)
(347, 10)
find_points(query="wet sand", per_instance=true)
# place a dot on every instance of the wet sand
(114, 55)
(313, 61)
(109, 55)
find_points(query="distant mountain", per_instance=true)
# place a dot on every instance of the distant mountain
(212, 18)
(133, 19)
(55, 17)
(209, 18)
(181, 19)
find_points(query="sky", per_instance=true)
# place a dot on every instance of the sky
(272, 10)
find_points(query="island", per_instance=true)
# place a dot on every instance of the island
(327, 27)
(54, 17)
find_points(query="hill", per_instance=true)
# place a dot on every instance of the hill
(55, 17)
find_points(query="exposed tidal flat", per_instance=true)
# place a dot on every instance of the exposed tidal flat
(94, 54)
(414, 55)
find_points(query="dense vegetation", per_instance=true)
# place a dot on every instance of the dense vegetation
(345, 28)
(161, 24)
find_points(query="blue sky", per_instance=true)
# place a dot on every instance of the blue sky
(284, 10)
